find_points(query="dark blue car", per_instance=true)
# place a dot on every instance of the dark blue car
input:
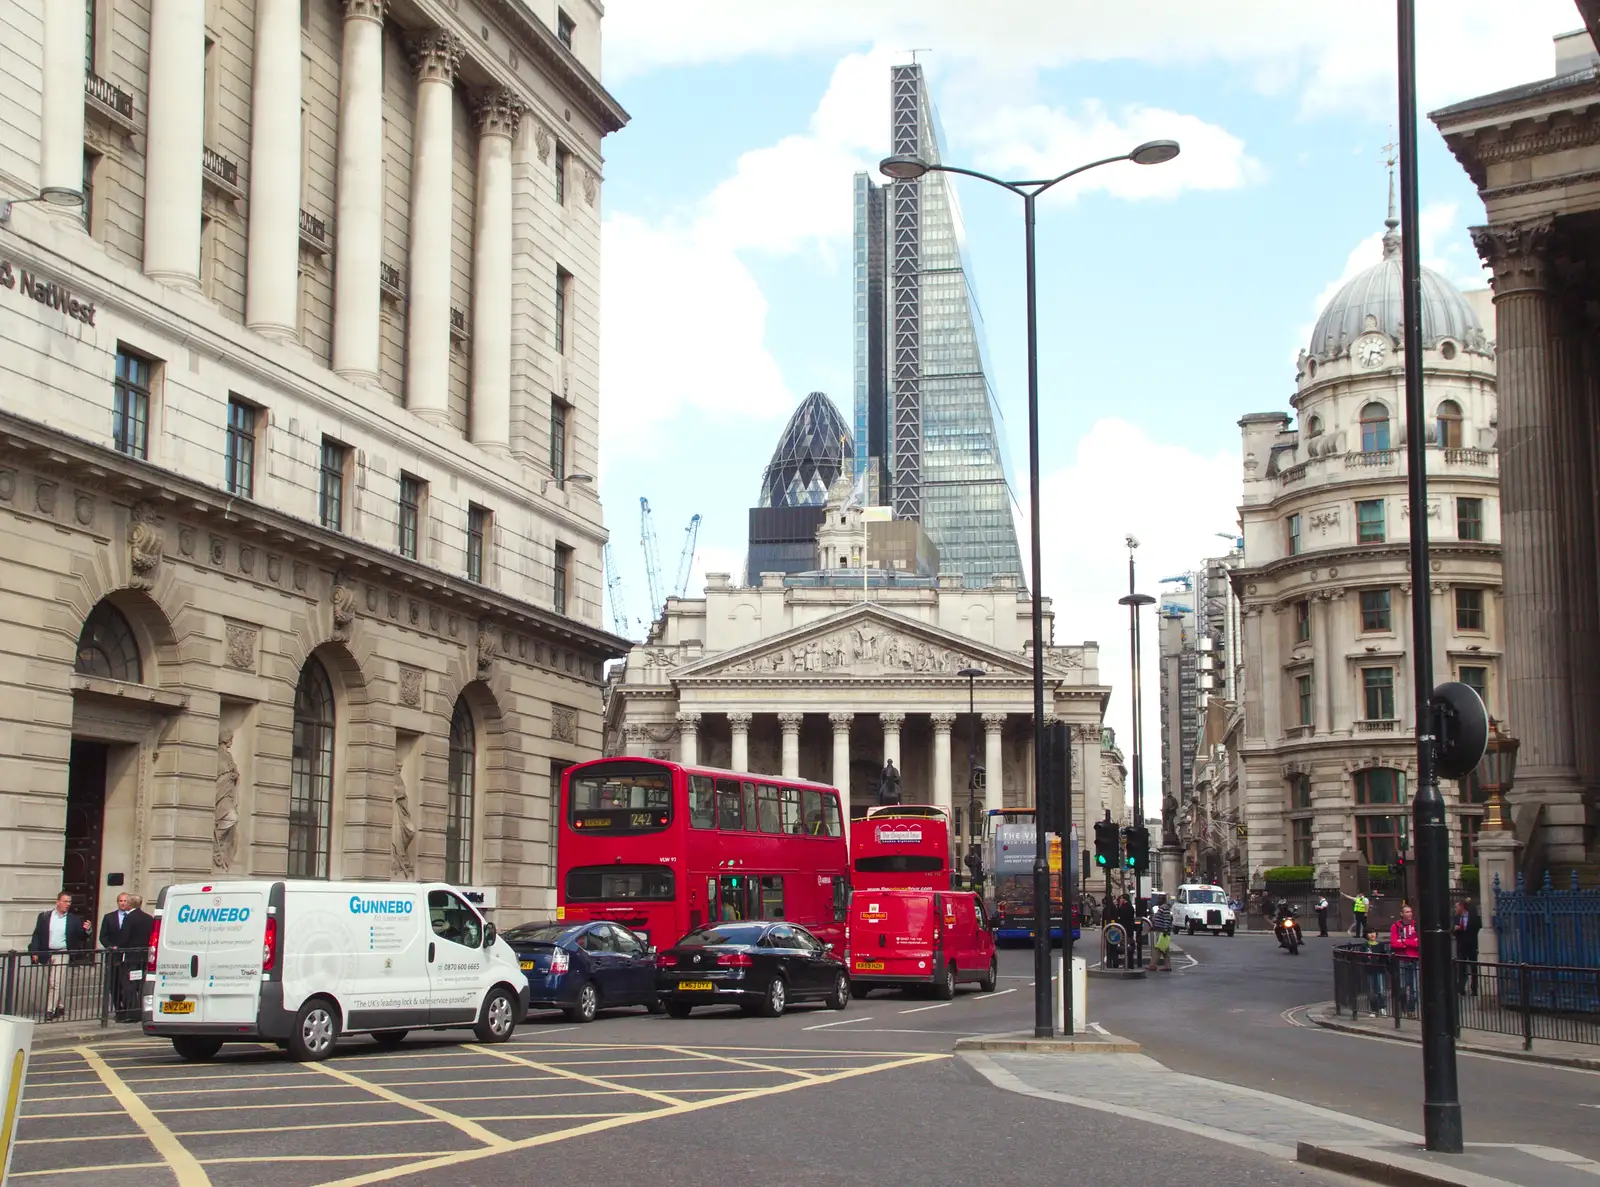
(583, 968)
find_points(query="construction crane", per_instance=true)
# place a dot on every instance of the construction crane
(619, 616)
(686, 562)
(652, 557)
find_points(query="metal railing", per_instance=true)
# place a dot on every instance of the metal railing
(101, 985)
(1548, 926)
(1530, 1001)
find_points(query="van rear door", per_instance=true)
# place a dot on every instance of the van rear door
(892, 934)
(208, 966)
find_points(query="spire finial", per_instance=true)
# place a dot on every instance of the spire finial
(1391, 235)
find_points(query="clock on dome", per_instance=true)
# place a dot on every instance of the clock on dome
(1369, 350)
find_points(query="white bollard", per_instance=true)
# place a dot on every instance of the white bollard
(1080, 994)
(16, 1037)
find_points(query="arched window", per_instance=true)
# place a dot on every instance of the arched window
(1314, 427)
(463, 780)
(1447, 431)
(107, 648)
(311, 774)
(1374, 427)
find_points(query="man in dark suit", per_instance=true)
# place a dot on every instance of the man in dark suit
(116, 937)
(1467, 924)
(56, 935)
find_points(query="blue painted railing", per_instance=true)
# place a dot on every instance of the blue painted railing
(1548, 926)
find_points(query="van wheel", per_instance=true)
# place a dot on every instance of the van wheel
(195, 1048)
(316, 1030)
(389, 1038)
(1228, 930)
(499, 1018)
(840, 997)
(679, 1009)
(944, 983)
(987, 982)
(588, 1004)
(772, 1005)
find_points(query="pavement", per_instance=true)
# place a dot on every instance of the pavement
(1573, 1055)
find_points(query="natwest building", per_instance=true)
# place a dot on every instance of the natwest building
(301, 582)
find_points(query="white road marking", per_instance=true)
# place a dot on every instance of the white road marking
(1098, 1029)
(841, 1022)
(983, 997)
(919, 1009)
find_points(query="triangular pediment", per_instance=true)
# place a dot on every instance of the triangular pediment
(863, 641)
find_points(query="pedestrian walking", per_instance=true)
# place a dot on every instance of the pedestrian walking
(1406, 945)
(1161, 943)
(57, 934)
(1377, 976)
(1468, 923)
(1322, 915)
(1358, 907)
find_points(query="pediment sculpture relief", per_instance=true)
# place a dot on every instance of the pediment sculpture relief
(860, 650)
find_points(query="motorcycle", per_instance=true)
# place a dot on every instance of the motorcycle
(1287, 930)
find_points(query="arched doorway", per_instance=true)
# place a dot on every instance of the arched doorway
(311, 774)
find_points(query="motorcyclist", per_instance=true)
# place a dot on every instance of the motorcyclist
(1284, 921)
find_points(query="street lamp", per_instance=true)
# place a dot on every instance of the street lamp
(1495, 775)
(972, 674)
(1134, 601)
(909, 167)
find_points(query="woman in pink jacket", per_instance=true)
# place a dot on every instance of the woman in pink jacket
(1406, 945)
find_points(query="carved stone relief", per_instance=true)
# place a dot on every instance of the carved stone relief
(145, 542)
(344, 612)
(241, 646)
(410, 686)
(563, 723)
(861, 650)
(226, 816)
(83, 508)
(44, 497)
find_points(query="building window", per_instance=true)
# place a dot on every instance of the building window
(1299, 792)
(130, 413)
(311, 774)
(559, 585)
(564, 27)
(1302, 840)
(1302, 621)
(563, 293)
(1302, 688)
(1378, 688)
(1380, 786)
(412, 490)
(1314, 427)
(91, 162)
(241, 446)
(331, 501)
(89, 35)
(1380, 838)
(1294, 535)
(559, 410)
(1369, 521)
(1374, 428)
(561, 174)
(1469, 610)
(1469, 519)
(1375, 614)
(1476, 678)
(459, 811)
(1471, 826)
(1447, 425)
(107, 647)
(479, 521)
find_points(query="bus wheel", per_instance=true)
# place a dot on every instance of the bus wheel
(840, 997)
(944, 983)
(987, 982)
(777, 998)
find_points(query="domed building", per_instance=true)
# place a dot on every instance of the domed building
(1328, 751)
(815, 447)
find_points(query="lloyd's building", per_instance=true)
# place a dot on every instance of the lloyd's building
(298, 405)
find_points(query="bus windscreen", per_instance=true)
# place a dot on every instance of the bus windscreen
(621, 800)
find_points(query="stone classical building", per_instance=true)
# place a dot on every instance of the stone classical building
(294, 406)
(1534, 154)
(1328, 749)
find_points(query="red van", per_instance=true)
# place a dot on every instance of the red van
(920, 937)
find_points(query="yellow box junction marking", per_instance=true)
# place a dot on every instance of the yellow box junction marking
(185, 1167)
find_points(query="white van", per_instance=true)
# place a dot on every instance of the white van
(1201, 906)
(301, 962)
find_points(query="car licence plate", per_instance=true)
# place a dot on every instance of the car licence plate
(526, 964)
(694, 985)
(177, 1007)
(870, 966)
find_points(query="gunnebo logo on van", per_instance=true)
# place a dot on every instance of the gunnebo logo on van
(188, 914)
(380, 906)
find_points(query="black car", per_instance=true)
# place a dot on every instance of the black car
(583, 968)
(760, 967)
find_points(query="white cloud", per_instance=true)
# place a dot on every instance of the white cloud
(1174, 501)
(1340, 52)
(1032, 141)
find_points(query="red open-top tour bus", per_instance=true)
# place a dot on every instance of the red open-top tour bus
(901, 847)
(662, 849)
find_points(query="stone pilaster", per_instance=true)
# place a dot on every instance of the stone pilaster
(994, 792)
(790, 724)
(358, 210)
(435, 55)
(689, 738)
(1578, 516)
(272, 269)
(498, 113)
(739, 732)
(1534, 539)
(174, 142)
(942, 793)
(636, 740)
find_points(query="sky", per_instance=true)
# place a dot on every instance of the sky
(1173, 299)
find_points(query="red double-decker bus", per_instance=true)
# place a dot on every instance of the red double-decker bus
(662, 849)
(901, 847)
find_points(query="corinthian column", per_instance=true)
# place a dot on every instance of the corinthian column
(739, 730)
(1533, 538)
(841, 755)
(891, 723)
(942, 796)
(435, 54)
(274, 236)
(358, 212)
(174, 141)
(499, 112)
(790, 724)
(1578, 516)
(994, 792)
(61, 128)
(689, 738)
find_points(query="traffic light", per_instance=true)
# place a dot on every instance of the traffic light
(1138, 858)
(1057, 778)
(1127, 847)
(1398, 867)
(1107, 846)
